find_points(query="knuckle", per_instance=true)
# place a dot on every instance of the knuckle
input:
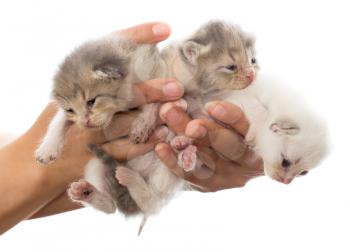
(212, 189)
(238, 151)
(237, 114)
(241, 183)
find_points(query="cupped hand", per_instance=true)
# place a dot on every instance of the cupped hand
(75, 154)
(228, 162)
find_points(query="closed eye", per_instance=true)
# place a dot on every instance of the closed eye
(229, 68)
(70, 111)
(303, 173)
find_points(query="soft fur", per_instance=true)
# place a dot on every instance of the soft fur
(290, 137)
(218, 56)
(93, 84)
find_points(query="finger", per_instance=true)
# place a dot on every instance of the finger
(158, 90)
(124, 149)
(208, 157)
(252, 162)
(226, 142)
(119, 127)
(174, 115)
(147, 33)
(229, 114)
(200, 177)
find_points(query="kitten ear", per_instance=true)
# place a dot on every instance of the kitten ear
(108, 71)
(192, 50)
(285, 127)
(249, 41)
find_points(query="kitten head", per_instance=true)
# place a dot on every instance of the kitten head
(291, 149)
(96, 80)
(222, 55)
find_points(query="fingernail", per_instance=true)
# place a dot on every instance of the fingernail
(181, 104)
(168, 113)
(160, 29)
(216, 109)
(161, 132)
(196, 131)
(173, 90)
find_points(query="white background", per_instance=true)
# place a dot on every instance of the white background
(305, 43)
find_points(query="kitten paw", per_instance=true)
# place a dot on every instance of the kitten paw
(125, 176)
(81, 191)
(180, 142)
(187, 158)
(46, 154)
(141, 130)
(250, 138)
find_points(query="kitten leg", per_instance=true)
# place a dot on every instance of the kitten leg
(86, 194)
(138, 188)
(144, 125)
(250, 137)
(53, 142)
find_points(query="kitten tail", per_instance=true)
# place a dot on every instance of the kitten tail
(142, 224)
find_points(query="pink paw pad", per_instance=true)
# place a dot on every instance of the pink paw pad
(187, 158)
(81, 190)
(180, 142)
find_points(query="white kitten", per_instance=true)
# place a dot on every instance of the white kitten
(290, 137)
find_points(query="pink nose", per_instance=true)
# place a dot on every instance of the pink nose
(86, 123)
(286, 181)
(250, 76)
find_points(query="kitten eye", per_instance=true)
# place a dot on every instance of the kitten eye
(231, 68)
(71, 111)
(90, 103)
(303, 173)
(253, 60)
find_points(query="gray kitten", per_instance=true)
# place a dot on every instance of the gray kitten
(92, 85)
(218, 56)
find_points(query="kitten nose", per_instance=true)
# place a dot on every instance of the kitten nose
(250, 76)
(286, 181)
(87, 123)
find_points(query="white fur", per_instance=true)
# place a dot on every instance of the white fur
(53, 142)
(153, 186)
(266, 102)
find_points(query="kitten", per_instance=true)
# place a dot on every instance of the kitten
(218, 56)
(290, 138)
(92, 85)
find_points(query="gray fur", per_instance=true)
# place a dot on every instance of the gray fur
(119, 193)
(97, 79)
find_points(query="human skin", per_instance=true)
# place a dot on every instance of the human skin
(30, 190)
(28, 187)
(228, 162)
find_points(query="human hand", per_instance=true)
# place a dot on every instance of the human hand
(229, 163)
(71, 164)
(75, 154)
